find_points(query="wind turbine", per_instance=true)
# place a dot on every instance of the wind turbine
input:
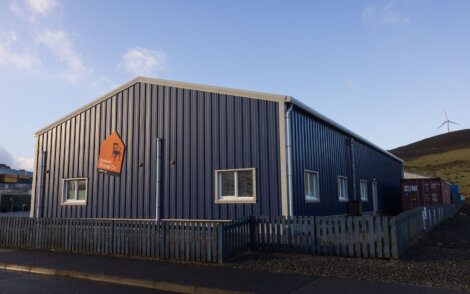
(448, 122)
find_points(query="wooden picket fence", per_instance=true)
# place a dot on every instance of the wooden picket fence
(235, 237)
(207, 241)
(410, 225)
(191, 241)
(366, 236)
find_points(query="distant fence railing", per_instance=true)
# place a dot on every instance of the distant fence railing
(410, 225)
(205, 241)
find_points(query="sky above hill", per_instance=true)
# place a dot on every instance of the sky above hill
(384, 69)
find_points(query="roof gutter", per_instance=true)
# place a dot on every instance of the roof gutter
(341, 128)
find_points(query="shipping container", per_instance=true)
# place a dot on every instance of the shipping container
(424, 192)
(455, 193)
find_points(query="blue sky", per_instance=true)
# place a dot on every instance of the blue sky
(384, 69)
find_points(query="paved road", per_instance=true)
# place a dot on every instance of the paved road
(349, 286)
(213, 277)
(22, 283)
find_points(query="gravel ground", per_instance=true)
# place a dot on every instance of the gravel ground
(440, 259)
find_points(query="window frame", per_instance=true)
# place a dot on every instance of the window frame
(366, 198)
(340, 199)
(312, 198)
(235, 198)
(75, 201)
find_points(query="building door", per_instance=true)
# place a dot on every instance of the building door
(374, 197)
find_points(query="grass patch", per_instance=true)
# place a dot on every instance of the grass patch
(453, 166)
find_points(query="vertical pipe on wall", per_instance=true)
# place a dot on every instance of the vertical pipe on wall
(289, 159)
(159, 178)
(42, 156)
(353, 168)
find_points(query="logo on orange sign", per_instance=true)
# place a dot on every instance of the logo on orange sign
(111, 155)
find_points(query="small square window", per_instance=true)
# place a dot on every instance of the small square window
(342, 188)
(312, 186)
(363, 187)
(235, 186)
(74, 191)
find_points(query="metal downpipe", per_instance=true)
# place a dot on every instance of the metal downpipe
(159, 179)
(42, 160)
(289, 160)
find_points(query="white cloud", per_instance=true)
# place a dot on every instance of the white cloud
(103, 84)
(24, 163)
(42, 7)
(13, 57)
(386, 15)
(32, 9)
(62, 47)
(15, 162)
(141, 61)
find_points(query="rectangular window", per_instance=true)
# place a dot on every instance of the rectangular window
(74, 191)
(235, 186)
(342, 188)
(311, 184)
(363, 187)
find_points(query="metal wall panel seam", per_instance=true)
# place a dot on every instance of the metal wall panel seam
(35, 181)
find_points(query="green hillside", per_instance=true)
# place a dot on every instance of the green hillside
(446, 156)
(453, 166)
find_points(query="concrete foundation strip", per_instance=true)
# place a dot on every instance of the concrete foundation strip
(163, 286)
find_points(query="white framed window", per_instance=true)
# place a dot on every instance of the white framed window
(235, 185)
(363, 188)
(74, 191)
(312, 186)
(342, 188)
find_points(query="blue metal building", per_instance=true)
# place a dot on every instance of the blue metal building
(203, 152)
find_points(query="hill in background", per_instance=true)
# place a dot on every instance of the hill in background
(446, 156)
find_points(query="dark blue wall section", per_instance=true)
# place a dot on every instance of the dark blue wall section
(319, 147)
(387, 172)
(201, 132)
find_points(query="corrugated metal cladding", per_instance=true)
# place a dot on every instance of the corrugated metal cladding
(387, 172)
(201, 132)
(319, 147)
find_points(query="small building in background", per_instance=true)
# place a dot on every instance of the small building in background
(158, 149)
(15, 189)
(410, 175)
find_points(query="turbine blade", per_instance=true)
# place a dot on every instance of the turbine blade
(453, 122)
(441, 125)
(447, 118)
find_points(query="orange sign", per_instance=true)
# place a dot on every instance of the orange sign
(111, 155)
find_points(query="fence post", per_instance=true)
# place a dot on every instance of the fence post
(220, 241)
(253, 232)
(393, 237)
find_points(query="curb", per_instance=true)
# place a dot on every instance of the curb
(163, 286)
